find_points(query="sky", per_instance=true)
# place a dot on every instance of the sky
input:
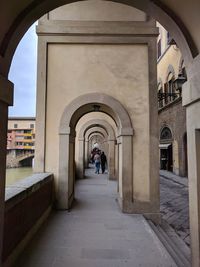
(23, 75)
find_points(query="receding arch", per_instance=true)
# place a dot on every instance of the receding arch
(89, 127)
(96, 130)
(90, 102)
(97, 123)
(93, 134)
(71, 114)
(89, 135)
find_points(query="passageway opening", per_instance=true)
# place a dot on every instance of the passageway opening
(71, 115)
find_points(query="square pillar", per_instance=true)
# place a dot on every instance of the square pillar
(191, 100)
(6, 99)
(65, 191)
(86, 156)
(81, 160)
(125, 173)
(111, 159)
(194, 189)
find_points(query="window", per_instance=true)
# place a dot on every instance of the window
(170, 40)
(18, 137)
(166, 92)
(166, 134)
(27, 137)
(19, 144)
(15, 125)
(27, 131)
(32, 126)
(159, 49)
(160, 96)
(170, 89)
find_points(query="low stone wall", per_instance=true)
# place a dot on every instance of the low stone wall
(26, 203)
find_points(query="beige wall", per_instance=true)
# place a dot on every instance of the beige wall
(118, 70)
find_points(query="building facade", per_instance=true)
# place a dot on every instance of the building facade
(20, 141)
(172, 115)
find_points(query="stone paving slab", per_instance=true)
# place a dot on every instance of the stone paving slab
(95, 234)
(174, 205)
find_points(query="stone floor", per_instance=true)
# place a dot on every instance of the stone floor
(174, 203)
(95, 234)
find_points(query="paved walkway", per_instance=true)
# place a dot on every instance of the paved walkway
(95, 234)
(175, 204)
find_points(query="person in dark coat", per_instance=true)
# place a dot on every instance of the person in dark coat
(103, 162)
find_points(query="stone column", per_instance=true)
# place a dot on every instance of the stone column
(191, 99)
(65, 192)
(111, 159)
(80, 167)
(86, 157)
(40, 135)
(116, 162)
(125, 173)
(6, 99)
(194, 188)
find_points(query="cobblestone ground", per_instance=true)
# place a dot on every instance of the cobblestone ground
(175, 207)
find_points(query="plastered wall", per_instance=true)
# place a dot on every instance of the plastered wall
(118, 70)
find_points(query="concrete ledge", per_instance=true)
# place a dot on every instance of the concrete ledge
(22, 189)
(26, 203)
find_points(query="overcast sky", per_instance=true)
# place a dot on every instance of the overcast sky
(23, 75)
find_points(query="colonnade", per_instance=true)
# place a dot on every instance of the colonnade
(96, 126)
(183, 29)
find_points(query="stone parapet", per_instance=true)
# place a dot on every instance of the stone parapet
(35, 194)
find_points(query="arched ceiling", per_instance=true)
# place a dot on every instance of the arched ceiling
(181, 18)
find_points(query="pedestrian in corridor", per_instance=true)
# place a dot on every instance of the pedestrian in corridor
(103, 161)
(97, 160)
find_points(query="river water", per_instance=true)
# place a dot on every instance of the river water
(15, 174)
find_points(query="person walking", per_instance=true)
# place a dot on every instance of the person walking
(103, 161)
(97, 159)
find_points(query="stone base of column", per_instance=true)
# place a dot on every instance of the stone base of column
(65, 203)
(148, 210)
(112, 178)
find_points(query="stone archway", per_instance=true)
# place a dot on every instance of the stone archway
(83, 145)
(94, 138)
(83, 141)
(28, 14)
(72, 113)
(88, 136)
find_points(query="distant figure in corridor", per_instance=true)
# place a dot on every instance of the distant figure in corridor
(103, 162)
(94, 151)
(97, 160)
